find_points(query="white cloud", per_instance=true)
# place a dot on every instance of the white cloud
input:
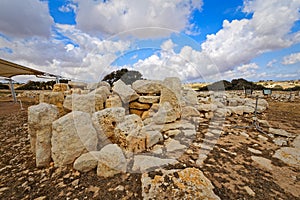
(271, 63)
(291, 59)
(115, 16)
(68, 8)
(247, 67)
(241, 40)
(28, 18)
(88, 59)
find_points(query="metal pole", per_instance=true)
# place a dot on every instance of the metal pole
(12, 90)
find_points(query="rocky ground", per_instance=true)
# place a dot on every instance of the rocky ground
(240, 165)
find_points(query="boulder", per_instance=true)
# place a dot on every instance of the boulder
(80, 85)
(128, 134)
(165, 114)
(147, 86)
(55, 98)
(126, 93)
(105, 121)
(189, 111)
(40, 118)
(152, 137)
(73, 135)
(102, 90)
(280, 132)
(113, 101)
(139, 106)
(87, 161)
(190, 97)
(168, 96)
(206, 107)
(143, 163)
(88, 103)
(111, 161)
(289, 155)
(60, 87)
(149, 99)
(174, 84)
(189, 183)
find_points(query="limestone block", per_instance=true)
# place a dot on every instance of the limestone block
(73, 135)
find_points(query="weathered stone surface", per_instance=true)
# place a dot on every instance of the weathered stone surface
(206, 107)
(143, 163)
(113, 101)
(165, 114)
(40, 118)
(104, 83)
(296, 142)
(80, 85)
(239, 110)
(126, 93)
(181, 125)
(248, 109)
(139, 106)
(147, 86)
(189, 111)
(149, 99)
(174, 84)
(262, 162)
(68, 102)
(87, 161)
(168, 96)
(111, 161)
(136, 112)
(280, 132)
(105, 121)
(88, 103)
(189, 183)
(128, 134)
(60, 87)
(73, 135)
(102, 90)
(152, 137)
(190, 97)
(55, 98)
(174, 145)
(289, 155)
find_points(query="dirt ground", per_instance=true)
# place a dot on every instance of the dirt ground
(229, 165)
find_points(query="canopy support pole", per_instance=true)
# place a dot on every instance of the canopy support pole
(12, 90)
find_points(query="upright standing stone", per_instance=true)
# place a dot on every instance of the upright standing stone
(40, 118)
(73, 135)
(125, 92)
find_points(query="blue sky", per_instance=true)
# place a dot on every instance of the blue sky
(196, 40)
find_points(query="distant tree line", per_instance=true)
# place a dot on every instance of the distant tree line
(241, 84)
(37, 85)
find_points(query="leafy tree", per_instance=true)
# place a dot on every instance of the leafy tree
(128, 77)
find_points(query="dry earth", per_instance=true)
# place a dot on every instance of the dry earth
(229, 165)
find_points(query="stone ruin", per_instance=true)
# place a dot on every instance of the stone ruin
(142, 127)
(124, 128)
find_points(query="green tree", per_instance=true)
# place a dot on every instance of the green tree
(128, 77)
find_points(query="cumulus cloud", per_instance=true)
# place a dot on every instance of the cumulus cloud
(241, 40)
(22, 19)
(291, 59)
(88, 58)
(115, 16)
